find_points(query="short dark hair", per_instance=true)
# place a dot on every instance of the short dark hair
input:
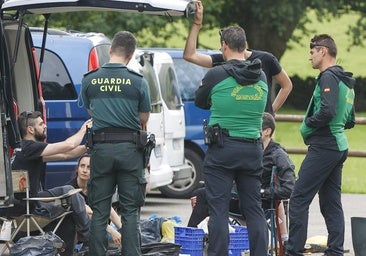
(324, 40)
(234, 37)
(25, 119)
(123, 44)
(268, 121)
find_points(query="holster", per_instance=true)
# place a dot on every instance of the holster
(141, 139)
(149, 146)
(213, 134)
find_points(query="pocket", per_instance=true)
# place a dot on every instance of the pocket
(141, 193)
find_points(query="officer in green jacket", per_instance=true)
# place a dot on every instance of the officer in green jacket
(236, 93)
(119, 103)
(330, 111)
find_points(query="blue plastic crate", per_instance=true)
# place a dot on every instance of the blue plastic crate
(191, 240)
(239, 241)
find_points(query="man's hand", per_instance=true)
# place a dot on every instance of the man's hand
(198, 15)
(87, 124)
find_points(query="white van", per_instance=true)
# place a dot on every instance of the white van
(160, 173)
(173, 120)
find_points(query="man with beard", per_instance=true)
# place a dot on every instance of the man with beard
(32, 157)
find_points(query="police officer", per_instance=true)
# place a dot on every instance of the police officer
(119, 104)
(329, 112)
(236, 94)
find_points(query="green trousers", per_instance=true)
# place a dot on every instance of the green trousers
(116, 164)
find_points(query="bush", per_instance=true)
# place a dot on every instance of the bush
(303, 90)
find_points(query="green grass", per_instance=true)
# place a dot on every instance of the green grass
(295, 60)
(288, 135)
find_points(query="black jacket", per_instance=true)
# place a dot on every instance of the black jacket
(274, 154)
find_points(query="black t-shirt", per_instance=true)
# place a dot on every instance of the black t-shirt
(29, 158)
(270, 66)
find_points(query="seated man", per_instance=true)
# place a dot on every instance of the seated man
(32, 157)
(273, 154)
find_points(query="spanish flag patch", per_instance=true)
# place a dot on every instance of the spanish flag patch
(327, 89)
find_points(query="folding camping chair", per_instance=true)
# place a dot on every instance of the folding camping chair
(30, 222)
(276, 243)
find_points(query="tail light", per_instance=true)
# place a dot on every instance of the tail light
(93, 60)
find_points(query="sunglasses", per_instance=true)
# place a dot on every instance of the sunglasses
(28, 114)
(312, 45)
(221, 38)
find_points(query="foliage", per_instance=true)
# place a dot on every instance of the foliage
(269, 24)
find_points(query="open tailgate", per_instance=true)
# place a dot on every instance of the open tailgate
(157, 7)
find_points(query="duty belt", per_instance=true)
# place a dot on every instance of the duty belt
(114, 136)
(247, 140)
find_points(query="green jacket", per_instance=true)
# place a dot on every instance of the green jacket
(330, 110)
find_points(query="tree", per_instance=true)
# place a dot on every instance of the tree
(269, 24)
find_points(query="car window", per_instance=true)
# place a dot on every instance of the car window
(189, 77)
(55, 79)
(169, 87)
(150, 76)
(103, 53)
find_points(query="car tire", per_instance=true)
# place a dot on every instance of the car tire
(184, 188)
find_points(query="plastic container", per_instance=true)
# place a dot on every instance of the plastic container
(191, 240)
(239, 241)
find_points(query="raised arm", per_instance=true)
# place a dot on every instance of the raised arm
(68, 148)
(190, 54)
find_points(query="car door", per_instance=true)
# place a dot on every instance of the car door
(19, 91)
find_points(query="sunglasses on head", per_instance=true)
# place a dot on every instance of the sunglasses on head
(220, 33)
(312, 45)
(27, 115)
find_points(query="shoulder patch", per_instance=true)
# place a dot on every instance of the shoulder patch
(91, 71)
(134, 72)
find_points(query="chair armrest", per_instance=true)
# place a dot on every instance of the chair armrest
(54, 198)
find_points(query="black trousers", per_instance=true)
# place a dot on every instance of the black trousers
(238, 161)
(320, 172)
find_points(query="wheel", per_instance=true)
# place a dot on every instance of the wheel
(184, 188)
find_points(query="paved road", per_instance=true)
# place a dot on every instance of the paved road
(354, 206)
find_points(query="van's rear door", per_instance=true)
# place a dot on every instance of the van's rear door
(19, 91)
(157, 7)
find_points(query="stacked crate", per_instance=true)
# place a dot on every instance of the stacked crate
(192, 240)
